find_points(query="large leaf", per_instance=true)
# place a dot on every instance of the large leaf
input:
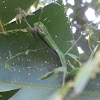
(7, 8)
(44, 60)
(29, 58)
(28, 92)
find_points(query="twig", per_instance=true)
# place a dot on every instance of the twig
(18, 54)
(11, 31)
(73, 45)
(93, 52)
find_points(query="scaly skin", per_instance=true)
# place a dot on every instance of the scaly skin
(42, 30)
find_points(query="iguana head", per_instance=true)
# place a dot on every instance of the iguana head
(40, 27)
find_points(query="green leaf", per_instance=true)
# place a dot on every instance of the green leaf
(10, 6)
(26, 52)
(85, 73)
(9, 67)
(35, 92)
(28, 92)
(74, 57)
(47, 75)
(6, 95)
